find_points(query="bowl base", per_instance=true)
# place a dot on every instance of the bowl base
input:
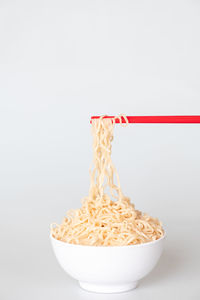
(108, 288)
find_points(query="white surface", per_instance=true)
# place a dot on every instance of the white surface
(31, 271)
(61, 62)
(108, 269)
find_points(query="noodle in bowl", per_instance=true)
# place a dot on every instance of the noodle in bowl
(108, 269)
(107, 217)
(107, 245)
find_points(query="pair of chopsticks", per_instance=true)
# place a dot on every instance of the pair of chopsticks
(156, 119)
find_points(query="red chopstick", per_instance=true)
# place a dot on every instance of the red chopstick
(156, 119)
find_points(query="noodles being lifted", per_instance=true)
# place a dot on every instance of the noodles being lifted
(101, 221)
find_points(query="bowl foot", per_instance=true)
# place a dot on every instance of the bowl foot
(108, 288)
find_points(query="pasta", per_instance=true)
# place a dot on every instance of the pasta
(107, 217)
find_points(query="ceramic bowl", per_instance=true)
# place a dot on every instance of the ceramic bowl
(108, 269)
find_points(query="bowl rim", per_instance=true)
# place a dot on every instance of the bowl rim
(113, 247)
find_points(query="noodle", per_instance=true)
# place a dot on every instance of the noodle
(101, 221)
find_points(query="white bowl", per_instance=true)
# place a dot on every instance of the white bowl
(108, 269)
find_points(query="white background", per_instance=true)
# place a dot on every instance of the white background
(60, 63)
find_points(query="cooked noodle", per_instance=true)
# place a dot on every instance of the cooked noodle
(101, 221)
